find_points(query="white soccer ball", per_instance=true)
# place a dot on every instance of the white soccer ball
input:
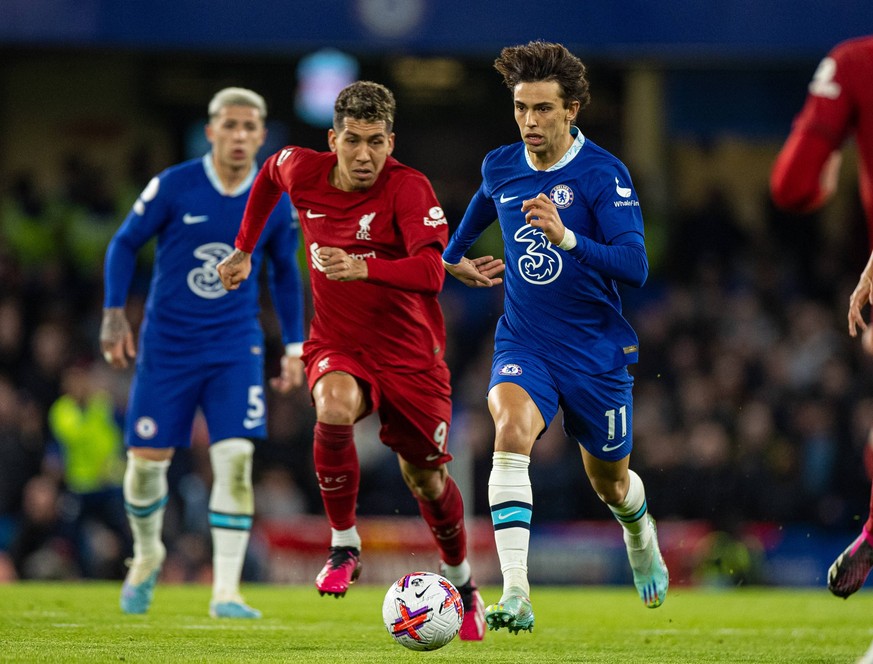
(423, 611)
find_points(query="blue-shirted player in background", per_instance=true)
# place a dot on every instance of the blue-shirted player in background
(186, 359)
(572, 228)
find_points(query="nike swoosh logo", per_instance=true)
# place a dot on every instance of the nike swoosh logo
(505, 199)
(501, 517)
(432, 457)
(251, 424)
(418, 595)
(192, 219)
(312, 215)
(332, 488)
(610, 448)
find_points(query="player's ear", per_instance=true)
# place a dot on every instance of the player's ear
(573, 110)
(210, 135)
(331, 139)
(390, 142)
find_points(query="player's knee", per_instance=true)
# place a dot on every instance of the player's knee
(150, 453)
(232, 463)
(335, 414)
(513, 436)
(145, 479)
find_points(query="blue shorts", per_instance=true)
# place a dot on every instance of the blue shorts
(166, 394)
(598, 409)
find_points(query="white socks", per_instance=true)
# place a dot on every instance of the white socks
(511, 500)
(347, 537)
(145, 500)
(631, 514)
(231, 506)
(457, 574)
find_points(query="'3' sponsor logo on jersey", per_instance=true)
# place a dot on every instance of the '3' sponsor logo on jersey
(540, 263)
(203, 280)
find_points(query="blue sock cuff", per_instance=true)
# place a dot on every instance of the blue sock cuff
(147, 510)
(230, 521)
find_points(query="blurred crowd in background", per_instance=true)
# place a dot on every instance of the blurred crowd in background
(752, 404)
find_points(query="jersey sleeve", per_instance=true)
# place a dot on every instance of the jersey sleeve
(625, 260)
(283, 272)
(266, 191)
(424, 229)
(822, 125)
(622, 254)
(148, 215)
(480, 214)
(615, 204)
(421, 273)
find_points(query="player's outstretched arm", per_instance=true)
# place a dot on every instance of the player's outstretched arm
(116, 338)
(477, 273)
(235, 269)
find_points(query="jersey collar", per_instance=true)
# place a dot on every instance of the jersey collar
(212, 174)
(569, 155)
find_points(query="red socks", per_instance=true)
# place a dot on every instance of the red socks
(445, 516)
(338, 472)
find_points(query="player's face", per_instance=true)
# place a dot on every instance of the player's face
(361, 149)
(236, 134)
(543, 120)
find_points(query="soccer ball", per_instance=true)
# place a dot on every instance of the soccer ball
(422, 611)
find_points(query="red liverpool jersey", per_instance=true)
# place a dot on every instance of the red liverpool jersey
(387, 322)
(839, 104)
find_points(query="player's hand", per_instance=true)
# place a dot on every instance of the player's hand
(860, 297)
(290, 376)
(235, 269)
(477, 273)
(830, 175)
(116, 338)
(337, 265)
(541, 213)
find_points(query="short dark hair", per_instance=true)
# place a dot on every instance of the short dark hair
(545, 61)
(367, 101)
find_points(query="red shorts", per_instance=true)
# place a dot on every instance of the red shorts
(415, 409)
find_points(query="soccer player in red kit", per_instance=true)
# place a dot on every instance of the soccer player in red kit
(839, 105)
(375, 233)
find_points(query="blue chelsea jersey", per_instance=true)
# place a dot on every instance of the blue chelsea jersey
(555, 304)
(188, 311)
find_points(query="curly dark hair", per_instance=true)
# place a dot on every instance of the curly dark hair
(367, 101)
(545, 61)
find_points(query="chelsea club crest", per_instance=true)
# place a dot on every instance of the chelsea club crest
(561, 195)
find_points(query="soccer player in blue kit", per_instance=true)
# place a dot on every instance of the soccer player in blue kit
(572, 228)
(186, 360)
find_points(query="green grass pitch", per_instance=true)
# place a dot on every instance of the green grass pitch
(81, 622)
